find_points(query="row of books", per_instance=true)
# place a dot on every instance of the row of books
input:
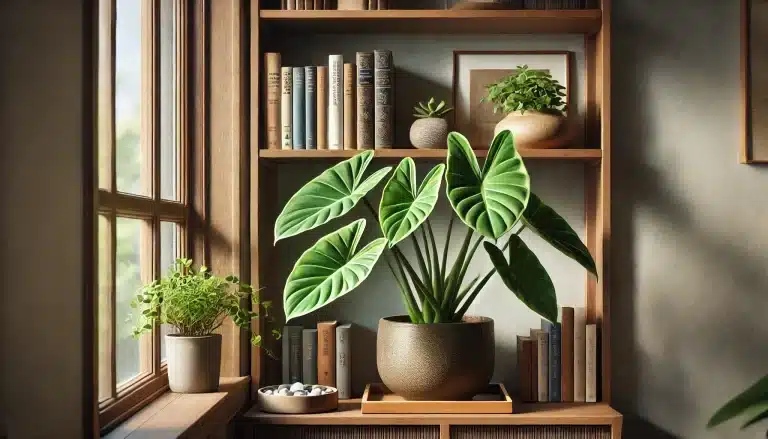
(339, 106)
(351, 5)
(319, 356)
(559, 362)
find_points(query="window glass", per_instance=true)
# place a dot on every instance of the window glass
(128, 282)
(169, 174)
(169, 252)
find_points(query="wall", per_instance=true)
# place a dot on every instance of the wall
(690, 265)
(41, 119)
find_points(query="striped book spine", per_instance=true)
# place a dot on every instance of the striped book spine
(310, 107)
(298, 108)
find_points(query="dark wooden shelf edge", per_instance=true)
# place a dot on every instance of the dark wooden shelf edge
(293, 156)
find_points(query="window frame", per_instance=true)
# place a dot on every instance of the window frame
(126, 399)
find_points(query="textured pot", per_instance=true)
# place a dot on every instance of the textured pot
(194, 363)
(530, 128)
(437, 362)
(429, 133)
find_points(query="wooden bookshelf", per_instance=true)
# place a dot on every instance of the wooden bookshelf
(279, 155)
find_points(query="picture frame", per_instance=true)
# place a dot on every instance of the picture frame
(754, 82)
(472, 69)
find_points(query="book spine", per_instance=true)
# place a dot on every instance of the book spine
(300, 5)
(554, 359)
(343, 362)
(326, 353)
(272, 61)
(286, 108)
(524, 357)
(579, 354)
(542, 365)
(291, 5)
(318, 5)
(295, 352)
(283, 4)
(373, 4)
(591, 363)
(298, 108)
(286, 356)
(383, 4)
(566, 355)
(353, 5)
(322, 107)
(310, 107)
(309, 356)
(365, 102)
(335, 102)
(350, 134)
(384, 95)
(309, 5)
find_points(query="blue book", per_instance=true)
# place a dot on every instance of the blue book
(310, 97)
(298, 108)
(553, 329)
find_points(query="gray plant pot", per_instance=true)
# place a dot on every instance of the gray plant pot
(436, 362)
(429, 133)
(194, 363)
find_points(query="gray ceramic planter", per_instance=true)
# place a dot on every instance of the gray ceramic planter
(437, 362)
(194, 363)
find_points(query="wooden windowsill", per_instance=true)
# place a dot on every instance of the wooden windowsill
(177, 415)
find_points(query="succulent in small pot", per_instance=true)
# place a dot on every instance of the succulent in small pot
(430, 130)
(195, 303)
(534, 103)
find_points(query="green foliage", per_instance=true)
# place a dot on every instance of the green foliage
(752, 403)
(527, 90)
(195, 302)
(429, 109)
(492, 202)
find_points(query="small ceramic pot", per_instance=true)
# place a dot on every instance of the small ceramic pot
(429, 133)
(194, 363)
(438, 361)
(531, 127)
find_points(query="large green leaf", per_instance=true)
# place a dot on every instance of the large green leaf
(330, 269)
(749, 400)
(404, 206)
(490, 201)
(525, 276)
(554, 229)
(329, 195)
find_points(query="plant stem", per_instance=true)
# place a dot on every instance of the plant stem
(444, 265)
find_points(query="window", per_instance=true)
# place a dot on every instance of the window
(142, 200)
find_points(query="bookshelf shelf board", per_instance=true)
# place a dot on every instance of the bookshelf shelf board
(586, 21)
(525, 414)
(589, 155)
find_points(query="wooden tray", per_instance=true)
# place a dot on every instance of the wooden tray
(378, 399)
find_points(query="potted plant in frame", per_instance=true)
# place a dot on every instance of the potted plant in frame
(195, 303)
(430, 128)
(534, 104)
(436, 351)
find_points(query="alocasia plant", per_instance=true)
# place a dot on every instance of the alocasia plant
(494, 202)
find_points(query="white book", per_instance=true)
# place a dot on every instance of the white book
(335, 102)
(542, 354)
(579, 354)
(343, 361)
(286, 108)
(591, 363)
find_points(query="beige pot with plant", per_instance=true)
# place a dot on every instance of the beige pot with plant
(195, 303)
(534, 104)
(430, 129)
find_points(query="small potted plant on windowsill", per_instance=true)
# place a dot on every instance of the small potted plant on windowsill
(196, 303)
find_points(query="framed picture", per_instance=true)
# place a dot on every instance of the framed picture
(754, 75)
(474, 70)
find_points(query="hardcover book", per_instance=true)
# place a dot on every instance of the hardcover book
(383, 4)
(524, 364)
(291, 354)
(352, 5)
(365, 100)
(373, 4)
(286, 108)
(350, 134)
(335, 102)
(566, 355)
(309, 356)
(322, 107)
(326, 353)
(384, 110)
(591, 363)
(553, 329)
(272, 61)
(579, 354)
(542, 364)
(310, 107)
(298, 108)
(344, 361)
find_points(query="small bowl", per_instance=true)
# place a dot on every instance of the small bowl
(298, 404)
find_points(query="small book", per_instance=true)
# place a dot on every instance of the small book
(566, 355)
(579, 354)
(322, 107)
(524, 363)
(310, 107)
(553, 329)
(298, 108)
(272, 61)
(352, 5)
(318, 5)
(344, 361)
(309, 5)
(591, 363)
(542, 364)
(365, 102)
(373, 4)
(309, 356)
(326, 353)
(384, 110)
(286, 108)
(350, 133)
(300, 5)
(291, 4)
(283, 4)
(335, 102)
(383, 4)
(291, 354)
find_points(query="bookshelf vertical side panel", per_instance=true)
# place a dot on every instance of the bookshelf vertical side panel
(257, 235)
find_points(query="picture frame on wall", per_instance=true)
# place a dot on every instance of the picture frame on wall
(474, 70)
(754, 77)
